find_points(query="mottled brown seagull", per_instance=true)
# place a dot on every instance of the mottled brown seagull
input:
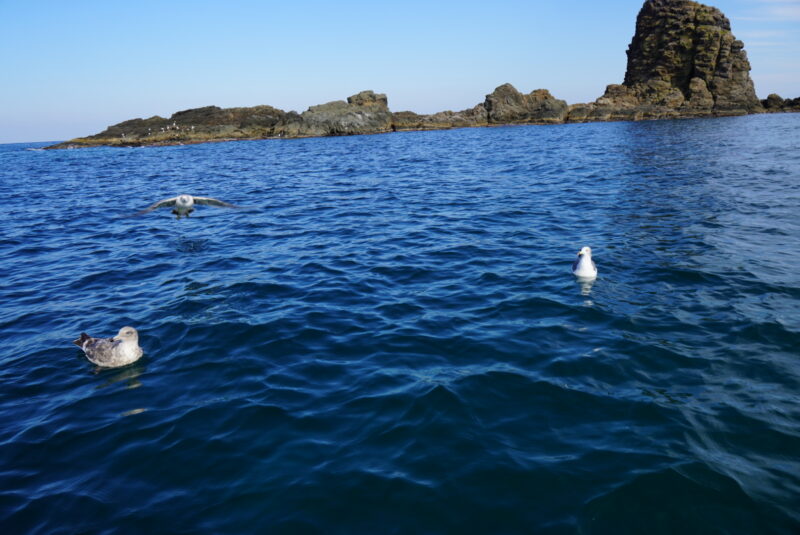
(120, 350)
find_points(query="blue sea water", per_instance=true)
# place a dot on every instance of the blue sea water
(389, 338)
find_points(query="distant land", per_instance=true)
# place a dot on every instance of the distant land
(683, 62)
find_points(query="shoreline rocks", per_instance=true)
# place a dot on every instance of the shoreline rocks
(683, 61)
(365, 112)
(408, 120)
(506, 105)
(775, 104)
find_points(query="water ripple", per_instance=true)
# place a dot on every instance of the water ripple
(389, 338)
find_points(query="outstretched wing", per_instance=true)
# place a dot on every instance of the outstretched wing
(213, 202)
(159, 204)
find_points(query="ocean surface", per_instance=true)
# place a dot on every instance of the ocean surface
(389, 339)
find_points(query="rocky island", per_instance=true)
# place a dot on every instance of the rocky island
(683, 62)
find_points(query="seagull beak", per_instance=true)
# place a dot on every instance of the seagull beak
(580, 253)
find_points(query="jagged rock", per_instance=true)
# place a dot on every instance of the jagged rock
(408, 120)
(677, 41)
(369, 98)
(683, 61)
(257, 116)
(364, 113)
(506, 105)
(774, 103)
(791, 104)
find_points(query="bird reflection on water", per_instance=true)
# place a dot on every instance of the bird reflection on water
(191, 245)
(129, 375)
(586, 288)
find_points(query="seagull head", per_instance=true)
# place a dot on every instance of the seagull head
(585, 251)
(184, 200)
(127, 334)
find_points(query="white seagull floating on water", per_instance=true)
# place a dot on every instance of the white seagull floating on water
(120, 350)
(584, 267)
(184, 204)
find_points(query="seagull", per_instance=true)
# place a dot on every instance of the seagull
(584, 267)
(184, 204)
(120, 350)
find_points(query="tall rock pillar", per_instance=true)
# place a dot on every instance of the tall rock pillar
(683, 61)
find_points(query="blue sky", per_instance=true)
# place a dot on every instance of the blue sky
(73, 68)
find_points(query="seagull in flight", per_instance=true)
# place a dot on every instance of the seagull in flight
(183, 205)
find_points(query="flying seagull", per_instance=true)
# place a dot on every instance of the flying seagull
(120, 350)
(584, 267)
(183, 205)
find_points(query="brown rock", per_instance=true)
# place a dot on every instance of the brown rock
(408, 120)
(683, 61)
(364, 113)
(506, 105)
(774, 103)
(698, 95)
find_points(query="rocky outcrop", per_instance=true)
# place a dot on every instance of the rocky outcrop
(196, 125)
(683, 61)
(364, 113)
(408, 120)
(506, 105)
(775, 104)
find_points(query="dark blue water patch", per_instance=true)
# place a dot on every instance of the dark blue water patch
(389, 339)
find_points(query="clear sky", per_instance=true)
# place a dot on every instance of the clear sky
(73, 68)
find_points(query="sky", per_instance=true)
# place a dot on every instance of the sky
(73, 68)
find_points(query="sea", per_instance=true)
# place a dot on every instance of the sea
(386, 336)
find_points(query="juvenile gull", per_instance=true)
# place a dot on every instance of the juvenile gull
(584, 267)
(120, 350)
(183, 205)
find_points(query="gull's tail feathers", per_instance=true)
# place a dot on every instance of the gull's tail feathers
(82, 340)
